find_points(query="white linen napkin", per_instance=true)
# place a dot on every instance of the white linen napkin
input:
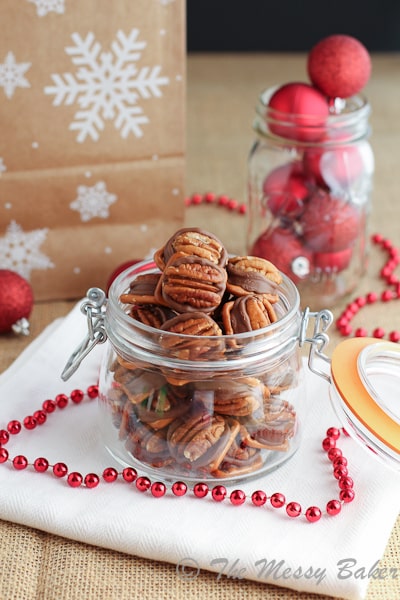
(336, 556)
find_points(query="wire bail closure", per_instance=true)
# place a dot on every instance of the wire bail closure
(94, 307)
(319, 339)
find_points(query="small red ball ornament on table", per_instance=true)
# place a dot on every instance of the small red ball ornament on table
(16, 302)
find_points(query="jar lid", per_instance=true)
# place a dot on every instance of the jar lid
(366, 375)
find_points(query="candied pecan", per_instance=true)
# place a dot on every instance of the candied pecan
(192, 241)
(152, 315)
(141, 289)
(191, 344)
(252, 275)
(247, 313)
(201, 439)
(237, 400)
(147, 445)
(274, 430)
(161, 407)
(239, 460)
(190, 283)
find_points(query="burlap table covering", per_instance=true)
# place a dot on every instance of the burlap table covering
(221, 97)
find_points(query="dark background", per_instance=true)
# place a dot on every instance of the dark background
(289, 25)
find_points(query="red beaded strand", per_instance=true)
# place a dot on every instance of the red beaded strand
(387, 274)
(158, 489)
(222, 200)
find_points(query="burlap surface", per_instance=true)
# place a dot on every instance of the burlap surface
(222, 92)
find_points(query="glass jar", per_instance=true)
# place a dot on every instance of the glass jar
(309, 195)
(231, 407)
(189, 407)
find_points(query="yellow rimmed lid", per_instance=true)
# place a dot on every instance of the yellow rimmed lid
(366, 375)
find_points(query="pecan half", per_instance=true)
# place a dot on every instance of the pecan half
(141, 289)
(274, 430)
(192, 241)
(190, 283)
(190, 343)
(152, 314)
(247, 313)
(252, 275)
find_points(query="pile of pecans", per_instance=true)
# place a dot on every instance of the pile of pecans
(195, 426)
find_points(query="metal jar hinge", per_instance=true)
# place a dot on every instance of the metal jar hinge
(94, 307)
(322, 321)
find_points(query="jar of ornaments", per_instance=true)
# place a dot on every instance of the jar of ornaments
(310, 173)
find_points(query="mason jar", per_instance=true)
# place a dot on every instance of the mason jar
(309, 196)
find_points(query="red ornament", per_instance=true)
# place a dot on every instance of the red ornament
(118, 270)
(329, 224)
(339, 65)
(282, 247)
(335, 168)
(301, 111)
(285, 189)
(16, 302)
(332, 262)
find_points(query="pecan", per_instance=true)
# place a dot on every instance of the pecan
(190, 283)
(201, 439)
(192, 241)
(252, 275)
(160, 408)
(237, 402)
(247, 313)
(191, 344)
(274, 430)
(239, 460)
(141, 289)
(152, 315)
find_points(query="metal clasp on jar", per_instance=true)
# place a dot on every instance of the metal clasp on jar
(322, 321)
(94, 307)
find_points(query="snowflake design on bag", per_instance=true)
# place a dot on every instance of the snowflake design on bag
(107, 85)
(93, 201)
(2, 166)
(19, 250)
(45, 6)
(12, 75)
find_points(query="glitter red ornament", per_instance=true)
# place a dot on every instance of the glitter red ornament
(329, 224)
(285, 188)
(16, 302)
(339, 65)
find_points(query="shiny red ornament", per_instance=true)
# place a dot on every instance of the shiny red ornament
(16, 302)
(298, 111)
(339, 65)
(284, 190)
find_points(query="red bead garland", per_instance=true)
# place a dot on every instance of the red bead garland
(343, 323)
(158, 489)
(222, 200)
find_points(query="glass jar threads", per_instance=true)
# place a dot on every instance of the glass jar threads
(309, 192)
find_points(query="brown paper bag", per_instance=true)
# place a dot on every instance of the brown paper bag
(92, 137)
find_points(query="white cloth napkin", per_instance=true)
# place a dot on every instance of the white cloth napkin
(336, 556)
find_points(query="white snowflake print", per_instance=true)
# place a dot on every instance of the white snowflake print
(166, 2)
(107, 85)
(2, 166)
(12, 75)
(19, 250)
(93, 201)
(43, 7)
